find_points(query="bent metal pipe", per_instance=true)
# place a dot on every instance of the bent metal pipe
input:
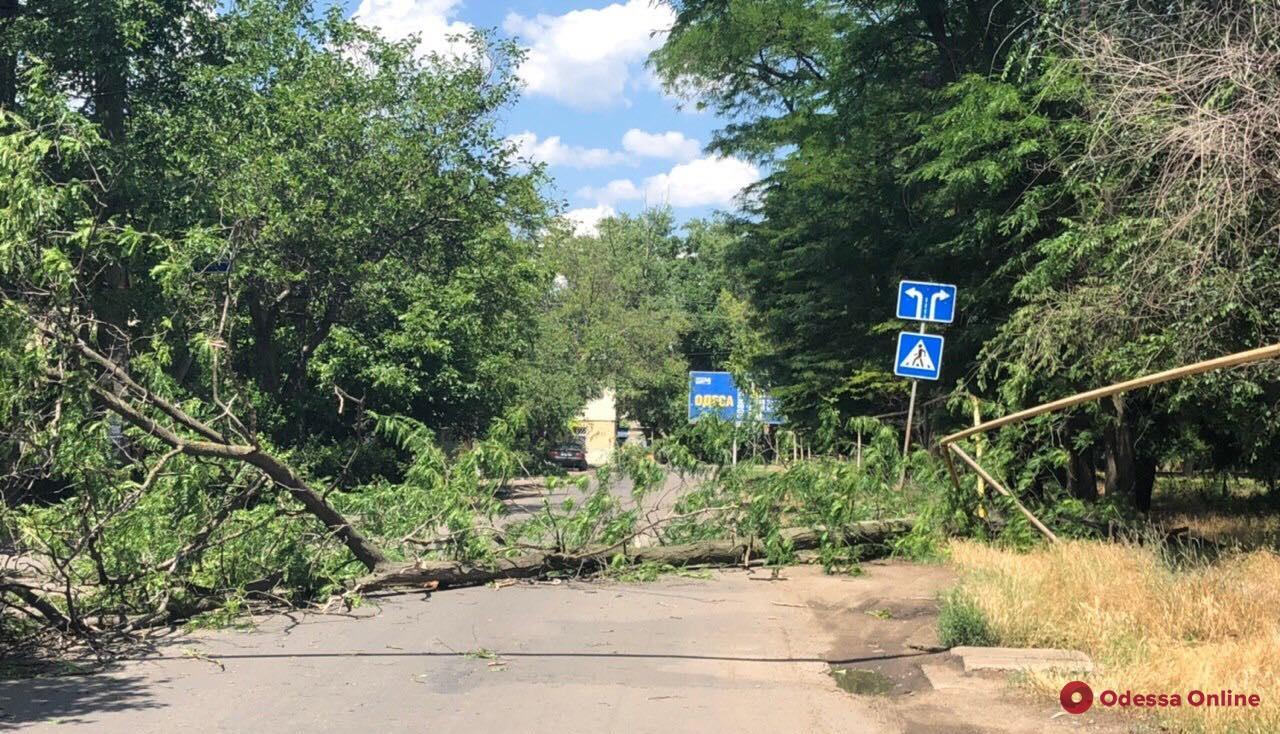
(949, 442)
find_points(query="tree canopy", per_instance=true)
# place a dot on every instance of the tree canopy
(1092, 177)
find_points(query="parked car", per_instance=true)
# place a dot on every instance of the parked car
(568, 455)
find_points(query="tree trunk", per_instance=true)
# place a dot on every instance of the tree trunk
(1082, 474)
(110, 80)
(1118, 439)
(112, 301)
(531, 565)
(266, 362)
(8, 55)
(934, 15)
(1144, 482)
(1082, 479)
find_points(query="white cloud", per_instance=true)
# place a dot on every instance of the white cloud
(712, 181)
(432, 20)
(622, 189)
(704, 182)
(670, 145)
(585, 58)
(555, 153)
(586, 222)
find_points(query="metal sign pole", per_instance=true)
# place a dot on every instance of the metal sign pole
(906, 438)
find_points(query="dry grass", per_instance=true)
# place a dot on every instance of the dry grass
(1241, 515)
(1245, 532)
(1148, 628)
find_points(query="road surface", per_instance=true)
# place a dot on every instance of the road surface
(738, 652)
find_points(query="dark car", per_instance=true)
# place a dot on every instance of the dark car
(568, 455)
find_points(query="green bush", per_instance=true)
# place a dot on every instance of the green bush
(961, 622)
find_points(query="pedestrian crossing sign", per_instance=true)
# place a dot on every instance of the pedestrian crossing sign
(919, 356)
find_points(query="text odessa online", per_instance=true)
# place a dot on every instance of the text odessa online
(1194, 698)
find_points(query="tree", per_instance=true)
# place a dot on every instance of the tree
(366, 215)
(312, 220)
(1167, 255)
(635, 308)
(832, 93)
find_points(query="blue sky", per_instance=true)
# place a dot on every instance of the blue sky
(613, 141)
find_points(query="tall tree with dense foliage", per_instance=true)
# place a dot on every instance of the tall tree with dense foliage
(1093, 177)
(214, 300)
(830, 94)
(635, 307)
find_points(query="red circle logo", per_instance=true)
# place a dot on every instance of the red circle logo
(1076, 697)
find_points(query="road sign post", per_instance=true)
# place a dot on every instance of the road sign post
(906, 435)
(919, 354)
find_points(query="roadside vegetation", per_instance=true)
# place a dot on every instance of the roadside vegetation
(1152, 620)
(1100, 180)
(282, 316)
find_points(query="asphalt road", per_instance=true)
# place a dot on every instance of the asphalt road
(528, 496)
(739, 652)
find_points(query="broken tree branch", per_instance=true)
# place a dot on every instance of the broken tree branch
(120, 375)
(279, 472)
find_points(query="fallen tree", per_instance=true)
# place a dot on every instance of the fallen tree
(448, 574)
(90, 592)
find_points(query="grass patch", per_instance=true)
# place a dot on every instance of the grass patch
(961, 622)
(1149, 625)
(1240, 514)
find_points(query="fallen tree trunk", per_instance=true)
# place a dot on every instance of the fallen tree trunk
(533, 565)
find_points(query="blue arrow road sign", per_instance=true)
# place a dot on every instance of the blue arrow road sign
(934, 302)
(919, 356)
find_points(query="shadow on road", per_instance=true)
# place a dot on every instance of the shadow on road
(70, 699)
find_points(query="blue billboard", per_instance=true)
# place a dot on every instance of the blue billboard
(714, 393)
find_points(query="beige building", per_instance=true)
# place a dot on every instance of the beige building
(597, 428)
